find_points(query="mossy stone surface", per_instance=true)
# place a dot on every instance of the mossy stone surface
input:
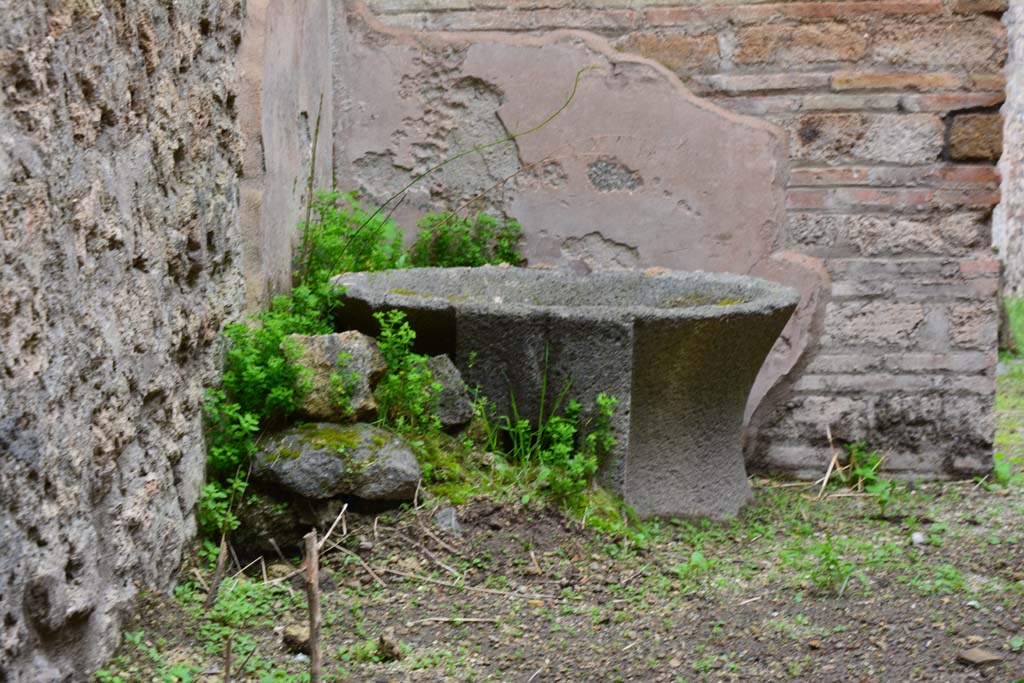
(323, 460)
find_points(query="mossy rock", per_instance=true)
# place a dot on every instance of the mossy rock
(323, 460)
(342, 370)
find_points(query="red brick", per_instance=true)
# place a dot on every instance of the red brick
(830, 42)
(744, 83)
(936, 175)
(980, 6)
(829, 175)
(975, 267)
(883, 197)
(875, 80)
(677, 16)
(777, 104)
(680, 53)
(988, 81)
(807, 200)
(987, 175)
(944, 102)
(856, 199)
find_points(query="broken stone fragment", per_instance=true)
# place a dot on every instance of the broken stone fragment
(388, 647)
(454, 408)
(323, 460)
(979, 656)
(296, 638)
(344, 370)
(447, 520)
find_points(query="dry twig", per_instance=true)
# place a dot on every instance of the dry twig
(339, 518)
(832, 465)
(475, 589)
(361, 561)
(430, 556)
(453, 620)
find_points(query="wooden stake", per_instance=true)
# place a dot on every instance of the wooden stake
(218, 573)
(227, 661)
(313, 598)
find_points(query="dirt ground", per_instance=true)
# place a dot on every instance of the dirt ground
(796, 589)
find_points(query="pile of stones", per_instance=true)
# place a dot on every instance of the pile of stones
(333, 454)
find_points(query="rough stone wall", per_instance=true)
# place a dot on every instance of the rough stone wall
(119, 158)
(1008, 230)
(891, 113)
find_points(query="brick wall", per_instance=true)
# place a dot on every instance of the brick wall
(892, 114)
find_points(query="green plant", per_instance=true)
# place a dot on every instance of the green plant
(830, 573)
(862, 466)
(694, 571)
(344, 237)
(1015, 315)
(861, 473)
(944, 579)
(260, 372)
(344, 383)
(407, 394)
(164, 672)
(1004, 469)
(449, 240)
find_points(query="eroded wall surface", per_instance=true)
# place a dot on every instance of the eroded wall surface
(119, 162)
(285, 105)
(888, 110)
(1008, 235)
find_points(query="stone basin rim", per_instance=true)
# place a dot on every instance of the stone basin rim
(760, 296)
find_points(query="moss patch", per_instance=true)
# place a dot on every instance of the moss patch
(333, 437)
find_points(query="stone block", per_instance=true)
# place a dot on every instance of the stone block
(978, 44)
(679, 351)
(454, 409)
(680, 53)
(872, 323)
(976, 137)
(344, 369)
(896, 236)
(890, 138)
(974, 326)
(781, 43)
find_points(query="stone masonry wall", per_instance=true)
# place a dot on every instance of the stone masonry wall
(891, 110)
(119, 163)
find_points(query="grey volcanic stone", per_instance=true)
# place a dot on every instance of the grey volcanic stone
(323, 460)
(679, 351)
(447, 520)
(362, 368)
(454, 408)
